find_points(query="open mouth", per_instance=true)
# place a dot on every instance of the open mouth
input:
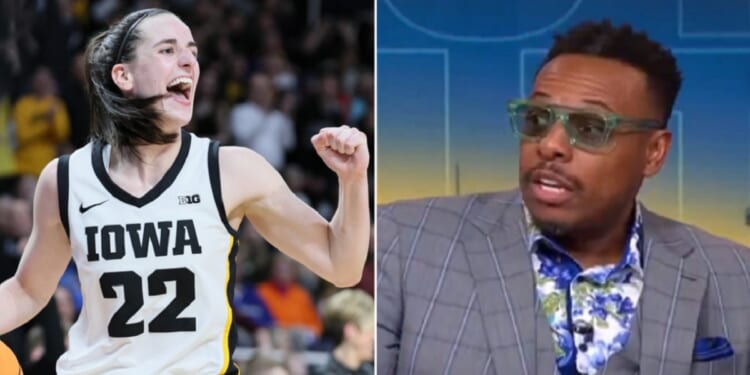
(550, 188)
(551, 185)
(180, 88)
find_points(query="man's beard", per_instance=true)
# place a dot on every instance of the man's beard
(551, 228)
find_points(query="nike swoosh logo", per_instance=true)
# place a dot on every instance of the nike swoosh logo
(84, 209)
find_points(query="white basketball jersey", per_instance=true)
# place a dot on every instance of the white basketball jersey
(156, 272)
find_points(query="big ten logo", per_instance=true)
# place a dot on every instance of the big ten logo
(189, 199)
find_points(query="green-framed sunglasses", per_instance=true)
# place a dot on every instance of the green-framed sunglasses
(588, 130)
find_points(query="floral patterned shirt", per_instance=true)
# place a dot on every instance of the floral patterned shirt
(589, 311)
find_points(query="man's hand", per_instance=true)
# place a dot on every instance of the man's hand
(344, 150)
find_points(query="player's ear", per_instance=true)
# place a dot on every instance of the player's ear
(122, 77)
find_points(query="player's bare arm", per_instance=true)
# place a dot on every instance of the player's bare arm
(334, 250)
(44, 259)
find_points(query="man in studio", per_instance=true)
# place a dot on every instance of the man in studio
(569, 273)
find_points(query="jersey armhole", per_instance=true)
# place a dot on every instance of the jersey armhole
(214, 175)
(63, 177)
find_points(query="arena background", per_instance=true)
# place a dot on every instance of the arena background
(446, 71)
(311, 61)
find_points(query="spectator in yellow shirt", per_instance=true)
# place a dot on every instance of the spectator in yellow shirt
(42, 124)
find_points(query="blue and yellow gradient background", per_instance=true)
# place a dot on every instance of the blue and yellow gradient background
(446, 68)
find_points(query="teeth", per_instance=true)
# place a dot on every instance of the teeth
(549, 183)
(181, 81)
(552, 188)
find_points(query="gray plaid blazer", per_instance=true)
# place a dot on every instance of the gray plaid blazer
(456, 294)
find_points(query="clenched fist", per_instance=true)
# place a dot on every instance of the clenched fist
(344, 150)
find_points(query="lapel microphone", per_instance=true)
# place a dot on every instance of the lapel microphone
(586, 330)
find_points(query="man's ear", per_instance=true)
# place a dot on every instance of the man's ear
(349, 330)
(122, 77)
(659, 144)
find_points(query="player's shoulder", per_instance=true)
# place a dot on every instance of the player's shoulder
(56, 175)
(439, 214)
(246, 174)
(237, 152)
(48, 176)
(48, 186)
(240, 160)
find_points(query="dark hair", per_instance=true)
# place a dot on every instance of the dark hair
(333, 329)
(349, 306)
(622, 43)
(116, 120)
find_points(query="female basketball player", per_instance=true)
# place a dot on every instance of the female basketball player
(149, 214)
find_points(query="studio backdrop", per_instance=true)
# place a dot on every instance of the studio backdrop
(446, 69)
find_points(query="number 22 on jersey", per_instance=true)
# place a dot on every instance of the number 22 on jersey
(167, 320)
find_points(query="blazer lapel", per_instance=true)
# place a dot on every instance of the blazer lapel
(500, 264)
(674, 286)
(545, 351)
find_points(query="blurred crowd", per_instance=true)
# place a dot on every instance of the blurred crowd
(273, 72)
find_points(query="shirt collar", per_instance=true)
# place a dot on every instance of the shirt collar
(633, 256)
